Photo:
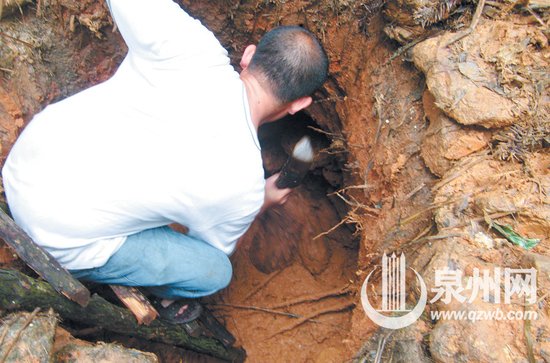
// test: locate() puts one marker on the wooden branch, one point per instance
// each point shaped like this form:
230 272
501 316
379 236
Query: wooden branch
18 291
471 28
138 304
44 264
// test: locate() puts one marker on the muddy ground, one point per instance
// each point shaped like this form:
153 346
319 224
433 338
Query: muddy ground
428 144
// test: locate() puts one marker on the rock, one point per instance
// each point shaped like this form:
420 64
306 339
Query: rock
542 264
35 339
475 339
453 253
484 241
102 352
68 349
446 141
409 344
403 345
477 80
403 34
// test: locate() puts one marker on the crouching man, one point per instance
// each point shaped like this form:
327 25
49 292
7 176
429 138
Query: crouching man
171 137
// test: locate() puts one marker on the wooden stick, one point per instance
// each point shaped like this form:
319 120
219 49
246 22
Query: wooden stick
414 191
17 40
18 291
534 15
471 28
408 46
138 304
42 262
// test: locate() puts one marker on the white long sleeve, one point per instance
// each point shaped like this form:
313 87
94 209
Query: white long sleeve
160 29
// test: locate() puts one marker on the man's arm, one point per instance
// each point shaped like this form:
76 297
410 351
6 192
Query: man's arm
160 29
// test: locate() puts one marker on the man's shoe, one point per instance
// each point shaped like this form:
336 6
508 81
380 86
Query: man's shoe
180 311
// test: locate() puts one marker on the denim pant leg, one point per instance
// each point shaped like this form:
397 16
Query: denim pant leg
169 264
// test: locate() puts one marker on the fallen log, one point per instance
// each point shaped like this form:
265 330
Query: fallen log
47 267
44 264
18 291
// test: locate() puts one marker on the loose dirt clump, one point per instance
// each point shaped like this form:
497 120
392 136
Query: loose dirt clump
446 141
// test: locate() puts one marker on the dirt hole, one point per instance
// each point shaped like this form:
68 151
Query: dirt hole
283 265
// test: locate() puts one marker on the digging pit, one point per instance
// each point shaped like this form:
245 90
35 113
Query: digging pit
421 149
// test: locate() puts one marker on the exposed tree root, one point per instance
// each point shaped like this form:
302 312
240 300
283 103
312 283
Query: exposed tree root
313 315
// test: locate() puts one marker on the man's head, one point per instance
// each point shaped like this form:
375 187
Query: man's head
291 61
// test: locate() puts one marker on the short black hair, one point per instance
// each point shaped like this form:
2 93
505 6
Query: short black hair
292 61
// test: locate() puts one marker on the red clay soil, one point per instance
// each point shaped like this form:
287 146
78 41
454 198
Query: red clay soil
389 150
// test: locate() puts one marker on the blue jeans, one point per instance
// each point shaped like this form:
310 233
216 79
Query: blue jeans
169 264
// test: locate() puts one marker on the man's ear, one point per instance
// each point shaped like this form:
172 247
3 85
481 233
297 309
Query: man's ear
299 104
247 56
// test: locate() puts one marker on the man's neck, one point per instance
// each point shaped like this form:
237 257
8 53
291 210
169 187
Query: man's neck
262 104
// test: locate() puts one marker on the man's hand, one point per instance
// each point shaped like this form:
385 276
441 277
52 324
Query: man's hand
273 195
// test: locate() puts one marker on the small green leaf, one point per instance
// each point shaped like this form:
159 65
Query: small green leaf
515 238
